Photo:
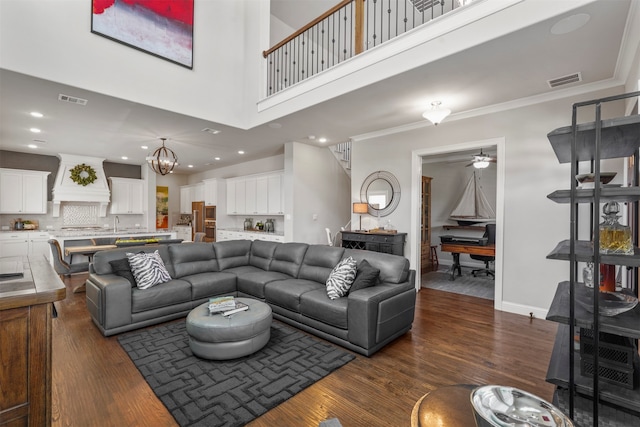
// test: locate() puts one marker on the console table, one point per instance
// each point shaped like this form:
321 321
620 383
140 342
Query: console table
389 243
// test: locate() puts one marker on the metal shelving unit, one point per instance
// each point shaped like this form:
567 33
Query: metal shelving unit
593 142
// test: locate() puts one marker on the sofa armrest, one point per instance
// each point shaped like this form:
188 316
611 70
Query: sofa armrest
109 300
379 312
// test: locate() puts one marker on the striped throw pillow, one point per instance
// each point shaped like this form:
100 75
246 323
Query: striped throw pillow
148 269
341 278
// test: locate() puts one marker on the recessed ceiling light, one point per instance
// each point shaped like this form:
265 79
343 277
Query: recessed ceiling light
36 114
124 158
32 146
35 130
322 140
570 23
216 158
211 131
240 152
189 166
144 147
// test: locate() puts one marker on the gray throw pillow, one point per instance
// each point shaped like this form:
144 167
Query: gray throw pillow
366 276
341 278
121 268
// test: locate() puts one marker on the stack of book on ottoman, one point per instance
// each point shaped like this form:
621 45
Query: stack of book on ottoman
226 306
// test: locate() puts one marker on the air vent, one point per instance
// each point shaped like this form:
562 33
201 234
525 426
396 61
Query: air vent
212 131
422 5
72 99
565 80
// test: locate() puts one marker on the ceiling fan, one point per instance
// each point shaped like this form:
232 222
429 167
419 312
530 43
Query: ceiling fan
481 161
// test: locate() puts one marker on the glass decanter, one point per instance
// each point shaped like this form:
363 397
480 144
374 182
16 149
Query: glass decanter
615 238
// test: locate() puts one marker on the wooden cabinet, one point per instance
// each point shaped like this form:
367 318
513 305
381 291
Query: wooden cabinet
425 226
256 195
210 192
127 196
23 191
389 243
25 340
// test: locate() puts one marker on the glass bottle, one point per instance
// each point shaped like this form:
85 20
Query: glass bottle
615 238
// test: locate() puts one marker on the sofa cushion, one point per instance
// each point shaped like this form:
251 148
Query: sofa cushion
232 253
317 305
148 269
122 268
163 295
204 285
101 258
393 268
287 293
341 278
366 276
319 261
253 283
262 254
288 258
245 269
193 258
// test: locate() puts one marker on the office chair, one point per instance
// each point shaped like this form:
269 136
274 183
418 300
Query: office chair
198 237
490 234
62 267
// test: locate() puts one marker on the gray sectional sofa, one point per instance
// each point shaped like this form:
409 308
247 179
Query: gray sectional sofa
290 277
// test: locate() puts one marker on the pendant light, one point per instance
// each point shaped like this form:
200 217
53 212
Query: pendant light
436 114
163 160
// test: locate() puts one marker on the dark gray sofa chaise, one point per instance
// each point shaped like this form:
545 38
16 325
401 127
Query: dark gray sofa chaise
290 277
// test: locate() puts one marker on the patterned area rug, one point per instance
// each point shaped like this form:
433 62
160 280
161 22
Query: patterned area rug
481 286
201 392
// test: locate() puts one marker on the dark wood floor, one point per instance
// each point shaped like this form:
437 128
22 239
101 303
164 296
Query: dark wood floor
455 339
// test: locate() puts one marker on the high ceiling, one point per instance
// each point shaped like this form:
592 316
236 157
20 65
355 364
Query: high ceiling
502 70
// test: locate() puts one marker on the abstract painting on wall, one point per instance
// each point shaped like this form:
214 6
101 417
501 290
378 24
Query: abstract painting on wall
162 207
163 28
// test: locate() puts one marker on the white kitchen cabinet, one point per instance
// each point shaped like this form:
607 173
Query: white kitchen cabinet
197 194
183 232
256 195
14 244
185 199
23 191
39 244
210 192
127 196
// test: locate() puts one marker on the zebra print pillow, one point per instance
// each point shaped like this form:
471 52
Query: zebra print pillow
148 269
341 278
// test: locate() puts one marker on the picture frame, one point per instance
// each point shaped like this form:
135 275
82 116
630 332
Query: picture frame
162 28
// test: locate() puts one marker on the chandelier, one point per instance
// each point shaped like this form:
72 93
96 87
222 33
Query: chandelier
163 160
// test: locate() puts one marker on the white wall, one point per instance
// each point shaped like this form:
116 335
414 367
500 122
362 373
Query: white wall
226 56
318 188
533 225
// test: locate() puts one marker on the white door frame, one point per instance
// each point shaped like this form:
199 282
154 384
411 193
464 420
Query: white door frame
416 185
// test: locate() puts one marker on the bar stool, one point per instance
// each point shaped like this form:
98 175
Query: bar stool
434 257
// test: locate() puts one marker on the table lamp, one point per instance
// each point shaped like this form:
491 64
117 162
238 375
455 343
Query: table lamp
360 208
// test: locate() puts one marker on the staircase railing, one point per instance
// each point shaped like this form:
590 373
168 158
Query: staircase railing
347 29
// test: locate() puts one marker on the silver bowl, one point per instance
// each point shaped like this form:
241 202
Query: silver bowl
500 406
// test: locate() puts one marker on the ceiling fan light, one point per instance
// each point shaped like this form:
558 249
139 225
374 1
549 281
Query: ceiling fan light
481 164
436 114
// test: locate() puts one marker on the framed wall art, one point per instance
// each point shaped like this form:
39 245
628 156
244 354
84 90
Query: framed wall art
163 28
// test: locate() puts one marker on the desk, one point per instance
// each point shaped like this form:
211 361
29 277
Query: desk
86 250
456 249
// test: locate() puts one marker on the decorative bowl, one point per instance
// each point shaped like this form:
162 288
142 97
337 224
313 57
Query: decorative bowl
610 303
605 177
496 405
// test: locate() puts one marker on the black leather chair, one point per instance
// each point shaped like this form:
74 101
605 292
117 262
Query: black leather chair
490 234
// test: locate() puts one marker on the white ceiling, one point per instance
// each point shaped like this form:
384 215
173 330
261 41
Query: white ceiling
505 69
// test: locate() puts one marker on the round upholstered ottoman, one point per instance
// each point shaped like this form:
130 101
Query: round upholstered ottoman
218 337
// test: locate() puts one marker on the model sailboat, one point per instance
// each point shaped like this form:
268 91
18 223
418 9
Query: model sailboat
473 206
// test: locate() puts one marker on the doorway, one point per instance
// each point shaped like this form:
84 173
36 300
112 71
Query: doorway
496 145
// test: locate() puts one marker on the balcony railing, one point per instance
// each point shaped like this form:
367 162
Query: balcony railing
347 29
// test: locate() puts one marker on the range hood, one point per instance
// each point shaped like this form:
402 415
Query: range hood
66 190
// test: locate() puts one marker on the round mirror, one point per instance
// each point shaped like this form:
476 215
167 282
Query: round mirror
381 191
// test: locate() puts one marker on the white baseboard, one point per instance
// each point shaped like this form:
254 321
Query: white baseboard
525 310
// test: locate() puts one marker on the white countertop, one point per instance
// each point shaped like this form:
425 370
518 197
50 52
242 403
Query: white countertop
106 233
242 230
